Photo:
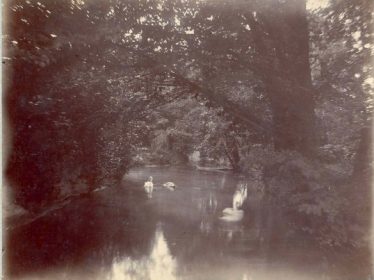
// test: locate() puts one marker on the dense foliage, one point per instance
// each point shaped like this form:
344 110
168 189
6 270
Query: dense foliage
282 95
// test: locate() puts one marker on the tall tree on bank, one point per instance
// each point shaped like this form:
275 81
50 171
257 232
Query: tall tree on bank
342 53
209 47
282 38
203 44
108 53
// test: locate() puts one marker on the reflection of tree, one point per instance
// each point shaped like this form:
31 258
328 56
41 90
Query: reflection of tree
158 265
208 212
92 231
162 263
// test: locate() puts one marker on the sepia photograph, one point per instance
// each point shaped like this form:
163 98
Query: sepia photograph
187 139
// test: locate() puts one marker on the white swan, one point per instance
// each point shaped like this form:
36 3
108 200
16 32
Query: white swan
240 196
237 200
245 192
232 215
235 214
148 186
170 185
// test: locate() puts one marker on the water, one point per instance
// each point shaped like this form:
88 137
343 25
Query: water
120 233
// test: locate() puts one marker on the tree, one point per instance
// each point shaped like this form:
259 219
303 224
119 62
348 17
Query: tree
88 76
75 111
279 56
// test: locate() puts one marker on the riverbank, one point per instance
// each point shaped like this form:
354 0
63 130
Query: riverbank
15 216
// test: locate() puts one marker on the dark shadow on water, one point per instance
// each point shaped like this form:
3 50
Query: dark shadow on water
92 231
120 232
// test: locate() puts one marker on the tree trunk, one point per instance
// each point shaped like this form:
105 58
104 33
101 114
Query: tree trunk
287 74
293 119
232 153
364 156
291 94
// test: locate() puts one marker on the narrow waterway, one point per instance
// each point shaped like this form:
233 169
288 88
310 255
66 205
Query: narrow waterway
121 233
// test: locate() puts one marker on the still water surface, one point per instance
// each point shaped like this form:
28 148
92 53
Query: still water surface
120 233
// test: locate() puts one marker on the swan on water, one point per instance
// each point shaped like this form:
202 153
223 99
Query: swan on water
234 213
245 192
170 185
148 186
240 196
237 200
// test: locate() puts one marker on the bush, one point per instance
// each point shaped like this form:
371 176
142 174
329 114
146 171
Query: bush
310 194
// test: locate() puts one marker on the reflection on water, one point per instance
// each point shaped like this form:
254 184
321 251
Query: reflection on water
120 233
158 265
